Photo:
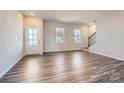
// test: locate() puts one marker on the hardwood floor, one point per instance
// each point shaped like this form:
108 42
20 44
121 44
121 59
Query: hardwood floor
66 67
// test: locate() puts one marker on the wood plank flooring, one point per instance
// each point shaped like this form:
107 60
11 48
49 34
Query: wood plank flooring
66 67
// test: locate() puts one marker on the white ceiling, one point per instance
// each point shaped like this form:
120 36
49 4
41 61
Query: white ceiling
69 16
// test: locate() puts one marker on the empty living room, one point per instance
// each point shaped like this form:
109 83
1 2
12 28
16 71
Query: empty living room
61 46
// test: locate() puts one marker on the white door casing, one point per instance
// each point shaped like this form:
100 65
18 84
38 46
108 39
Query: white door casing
32 40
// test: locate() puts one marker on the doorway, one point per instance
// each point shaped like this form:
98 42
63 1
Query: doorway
32 40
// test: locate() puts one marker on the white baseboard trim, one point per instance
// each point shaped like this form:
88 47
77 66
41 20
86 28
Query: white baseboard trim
85 50
25 54
106 55
10 66
62 50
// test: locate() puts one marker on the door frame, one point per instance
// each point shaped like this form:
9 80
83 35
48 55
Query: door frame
26 42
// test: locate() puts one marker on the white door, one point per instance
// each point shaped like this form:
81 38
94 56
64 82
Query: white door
32 40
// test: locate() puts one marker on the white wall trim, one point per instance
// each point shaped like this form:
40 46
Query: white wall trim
62 50
106 55
10 66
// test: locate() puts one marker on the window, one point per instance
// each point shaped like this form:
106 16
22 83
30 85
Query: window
59 35
77 36
32 37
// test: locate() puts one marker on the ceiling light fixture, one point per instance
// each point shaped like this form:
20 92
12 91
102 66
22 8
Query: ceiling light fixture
32 14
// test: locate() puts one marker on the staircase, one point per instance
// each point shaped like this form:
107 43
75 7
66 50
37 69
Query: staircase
92 39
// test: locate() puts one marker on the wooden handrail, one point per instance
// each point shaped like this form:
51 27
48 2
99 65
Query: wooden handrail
89 40
92 35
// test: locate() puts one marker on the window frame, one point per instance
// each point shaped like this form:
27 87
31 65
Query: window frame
32 34
78 37
61 31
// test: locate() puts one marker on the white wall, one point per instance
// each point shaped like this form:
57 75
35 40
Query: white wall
110 36
34 22
11 39
50 37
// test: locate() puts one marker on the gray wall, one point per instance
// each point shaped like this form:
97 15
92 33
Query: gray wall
11 39
50 37
110 36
